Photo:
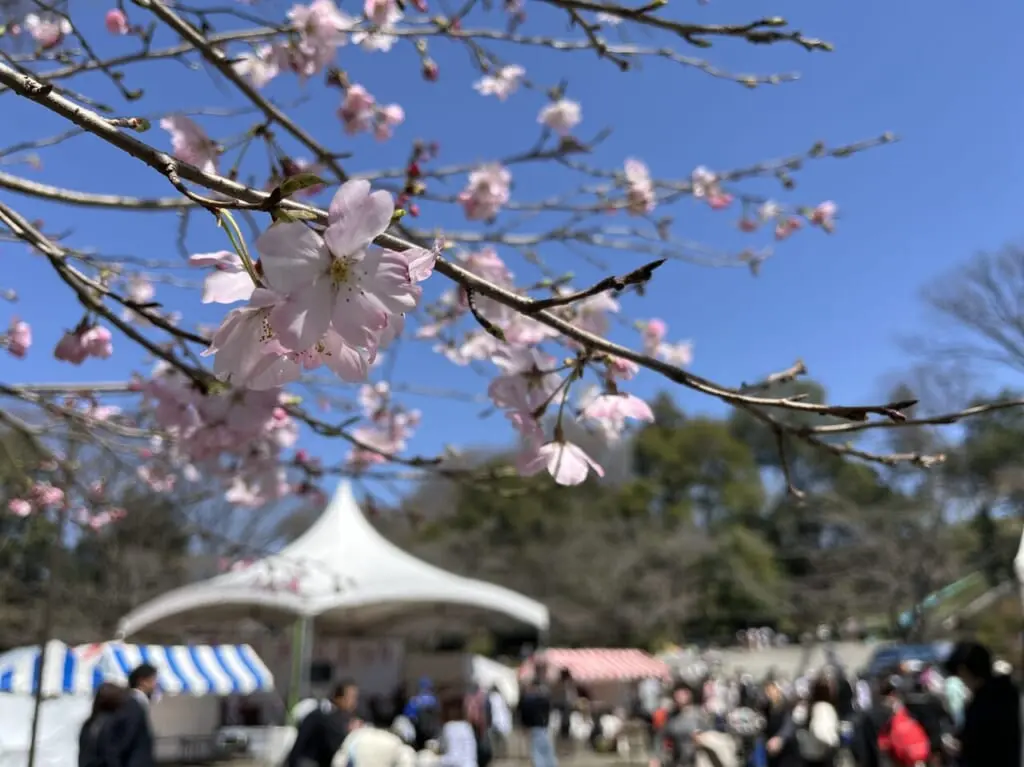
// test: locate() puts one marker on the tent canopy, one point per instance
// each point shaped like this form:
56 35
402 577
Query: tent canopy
599 664
181 670
343 573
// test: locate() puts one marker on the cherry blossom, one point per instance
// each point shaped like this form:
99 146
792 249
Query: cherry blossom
486 192
567 463
19 507
139 290
611 410
76 346
41 496
332 281
529 382
18 339
502 83
322 30
47 29
260 66
561 116
653 334
229 283
245 347
382 15
190 143
824 215
359 112
116 22
706 186
201 433
639 188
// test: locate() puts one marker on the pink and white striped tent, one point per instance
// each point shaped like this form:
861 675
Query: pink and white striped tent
590 665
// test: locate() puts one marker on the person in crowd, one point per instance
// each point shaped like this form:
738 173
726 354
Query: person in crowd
477 707
872 717
956 694
675 743
501 721
459 745
564 696
902 739
991 731
324 729
374 746
131 731
817 731
779 734
927 709
535 716
424 711
95 740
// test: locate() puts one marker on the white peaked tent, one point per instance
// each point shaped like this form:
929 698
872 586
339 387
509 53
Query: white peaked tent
342 573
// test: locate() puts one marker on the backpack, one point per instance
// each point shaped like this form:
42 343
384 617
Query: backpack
478 710
811 747
908 743
428 723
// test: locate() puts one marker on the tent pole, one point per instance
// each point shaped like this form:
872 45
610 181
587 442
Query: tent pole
302 657
46 627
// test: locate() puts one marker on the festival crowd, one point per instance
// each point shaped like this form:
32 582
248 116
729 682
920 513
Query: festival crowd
966 713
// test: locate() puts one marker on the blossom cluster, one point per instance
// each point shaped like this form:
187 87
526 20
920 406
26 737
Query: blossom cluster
316 300
239 434
44 497
310 297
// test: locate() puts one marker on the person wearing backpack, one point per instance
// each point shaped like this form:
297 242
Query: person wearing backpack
817 734
902 740
424 711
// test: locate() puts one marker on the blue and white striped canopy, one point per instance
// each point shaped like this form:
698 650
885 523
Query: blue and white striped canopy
181 670
192 669
64 673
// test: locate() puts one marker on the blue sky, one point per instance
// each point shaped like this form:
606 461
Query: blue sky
946 81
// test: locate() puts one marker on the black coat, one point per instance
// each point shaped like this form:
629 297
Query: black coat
779 723
319 737
131 736
95 742
991 735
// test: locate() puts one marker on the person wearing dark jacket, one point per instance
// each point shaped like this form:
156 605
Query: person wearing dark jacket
131 734
324 729
535 715
96 738
779 733
991 733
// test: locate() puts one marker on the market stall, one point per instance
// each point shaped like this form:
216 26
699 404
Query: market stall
186 714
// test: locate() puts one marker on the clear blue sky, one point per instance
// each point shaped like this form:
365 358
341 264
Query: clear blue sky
942 76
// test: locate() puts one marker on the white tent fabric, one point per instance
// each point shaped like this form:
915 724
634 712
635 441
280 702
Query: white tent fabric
60 719
342 568
1018 567
489 673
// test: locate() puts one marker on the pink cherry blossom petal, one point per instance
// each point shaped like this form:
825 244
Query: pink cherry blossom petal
293 256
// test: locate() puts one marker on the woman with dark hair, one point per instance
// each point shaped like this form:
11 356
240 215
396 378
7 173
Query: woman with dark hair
458 741
818 738
94 740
